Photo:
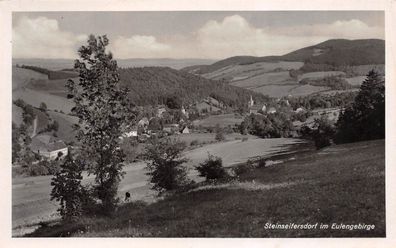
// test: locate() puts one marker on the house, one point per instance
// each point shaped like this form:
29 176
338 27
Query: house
184 112
271 110
171 128
185 130
133 132
300 110
48 146
144 122
160 110
205 107
256 109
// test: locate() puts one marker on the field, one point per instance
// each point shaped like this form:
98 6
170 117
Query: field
34 98
30 195
343 184
17 115
233 72
271 78
223 120
362 70
321 74
356 81
65 131
21 77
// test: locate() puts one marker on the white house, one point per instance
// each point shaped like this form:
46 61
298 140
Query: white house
48 146
255 109
271 110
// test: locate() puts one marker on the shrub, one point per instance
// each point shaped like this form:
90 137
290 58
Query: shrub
194 143
262 162
243 168
324 132
68 190
38 169
219 134
165 167
212 168
43 107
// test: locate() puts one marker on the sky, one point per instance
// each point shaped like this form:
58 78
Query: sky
186 34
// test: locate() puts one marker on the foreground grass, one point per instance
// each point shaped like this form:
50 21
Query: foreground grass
340 184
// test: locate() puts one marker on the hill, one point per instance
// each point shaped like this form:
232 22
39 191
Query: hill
332 52
341 52
278 76
152 85
342 184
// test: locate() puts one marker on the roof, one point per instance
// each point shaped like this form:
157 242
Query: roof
47 143
257 107
271 109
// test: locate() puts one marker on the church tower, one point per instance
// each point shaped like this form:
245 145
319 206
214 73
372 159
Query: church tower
251 102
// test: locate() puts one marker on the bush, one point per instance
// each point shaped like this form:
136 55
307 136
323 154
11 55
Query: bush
68 190
243 168
165 167
38 169
194 143
212 168
262 162
324 133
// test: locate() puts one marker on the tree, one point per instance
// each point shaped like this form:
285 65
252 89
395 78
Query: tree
365 118
43 107
103 110
219 134
165 164
323 132
68 190
212 168
174 102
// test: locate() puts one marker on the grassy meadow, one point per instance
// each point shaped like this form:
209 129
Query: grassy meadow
342 184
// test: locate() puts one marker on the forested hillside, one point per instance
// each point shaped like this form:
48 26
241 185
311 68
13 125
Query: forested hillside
153 85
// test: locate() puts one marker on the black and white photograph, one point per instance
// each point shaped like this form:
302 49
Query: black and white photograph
198 124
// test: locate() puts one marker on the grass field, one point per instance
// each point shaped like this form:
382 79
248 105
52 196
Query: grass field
321 74
17 115
234 72
65 130
362 70
34 98
265 79
22 77
30 195
343 184
356 81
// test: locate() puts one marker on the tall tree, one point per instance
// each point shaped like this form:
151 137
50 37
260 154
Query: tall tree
103 110
365 118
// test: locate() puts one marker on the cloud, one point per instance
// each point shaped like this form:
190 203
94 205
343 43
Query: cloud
138 46
342 29
234 35
42 38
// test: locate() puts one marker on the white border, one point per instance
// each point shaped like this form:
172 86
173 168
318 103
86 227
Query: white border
6 8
